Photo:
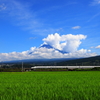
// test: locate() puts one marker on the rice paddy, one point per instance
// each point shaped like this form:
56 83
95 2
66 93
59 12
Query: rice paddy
69 85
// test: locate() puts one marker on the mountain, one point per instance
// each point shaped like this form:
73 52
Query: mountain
42 60
39 61
50 47
90 61
46 46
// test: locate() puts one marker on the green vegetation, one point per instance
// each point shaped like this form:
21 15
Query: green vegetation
91 61
48 69
69 85
10 70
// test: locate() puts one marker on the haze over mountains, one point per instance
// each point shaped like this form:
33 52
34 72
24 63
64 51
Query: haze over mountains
90 61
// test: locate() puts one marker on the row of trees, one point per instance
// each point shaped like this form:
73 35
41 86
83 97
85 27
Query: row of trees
10 69
14 67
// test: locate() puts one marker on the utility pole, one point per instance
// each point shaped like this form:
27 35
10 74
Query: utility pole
22 66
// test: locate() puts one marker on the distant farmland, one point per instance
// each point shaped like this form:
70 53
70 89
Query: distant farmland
69 85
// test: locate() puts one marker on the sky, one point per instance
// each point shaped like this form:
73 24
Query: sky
68 25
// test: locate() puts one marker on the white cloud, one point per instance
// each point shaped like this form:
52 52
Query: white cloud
95 2
40 53
92 47
2 7
27 19
31 38
97 47
24 16
76 27
93 17
53 40
69 43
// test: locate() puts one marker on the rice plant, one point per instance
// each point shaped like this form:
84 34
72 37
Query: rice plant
69 85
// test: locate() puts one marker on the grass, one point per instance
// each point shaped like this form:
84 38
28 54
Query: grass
69 85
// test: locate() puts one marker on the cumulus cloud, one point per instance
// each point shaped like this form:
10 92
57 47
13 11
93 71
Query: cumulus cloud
68 43
44 53
76 27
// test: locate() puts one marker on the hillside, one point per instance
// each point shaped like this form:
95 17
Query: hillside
91 61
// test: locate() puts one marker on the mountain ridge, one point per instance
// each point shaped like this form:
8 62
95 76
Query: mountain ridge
51 47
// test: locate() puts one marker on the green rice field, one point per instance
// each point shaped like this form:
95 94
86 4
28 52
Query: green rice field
65 85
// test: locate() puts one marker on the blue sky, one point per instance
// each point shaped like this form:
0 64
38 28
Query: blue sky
24 24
